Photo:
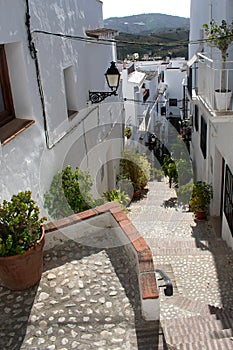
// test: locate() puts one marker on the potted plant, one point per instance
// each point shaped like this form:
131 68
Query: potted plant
21 242
128 132
201 198
221 36
136 167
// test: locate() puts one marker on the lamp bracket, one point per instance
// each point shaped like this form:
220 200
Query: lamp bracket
98 96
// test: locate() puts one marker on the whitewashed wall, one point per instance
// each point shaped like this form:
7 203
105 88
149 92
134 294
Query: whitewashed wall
173 78
220 129
210 9
26 161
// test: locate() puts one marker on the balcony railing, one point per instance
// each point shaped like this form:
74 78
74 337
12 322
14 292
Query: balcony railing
212 77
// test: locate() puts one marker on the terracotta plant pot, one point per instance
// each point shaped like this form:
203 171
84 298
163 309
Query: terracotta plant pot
200 215
137 194
19 272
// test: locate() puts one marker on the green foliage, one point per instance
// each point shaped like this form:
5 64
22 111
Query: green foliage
156 44
184 193
128 131
136 167
201 196
125 185
157 174
181 159
69 193
169 169
184 170
219 35
116 195
179 149
20 225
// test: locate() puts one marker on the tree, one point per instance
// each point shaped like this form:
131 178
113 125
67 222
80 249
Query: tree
221 36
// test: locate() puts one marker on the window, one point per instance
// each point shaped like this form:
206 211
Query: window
228 200
71 98
196 118
203 136
10 126
6 103
163 110
173 102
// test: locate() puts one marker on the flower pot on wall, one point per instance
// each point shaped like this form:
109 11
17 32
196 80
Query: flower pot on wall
21 271
223 99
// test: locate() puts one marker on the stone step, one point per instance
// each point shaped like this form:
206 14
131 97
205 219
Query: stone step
186 251
224 315
194 306
223 319
200 245
224 333
192 242
210 344
193 328
197 335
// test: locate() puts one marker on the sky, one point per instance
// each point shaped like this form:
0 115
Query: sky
121 8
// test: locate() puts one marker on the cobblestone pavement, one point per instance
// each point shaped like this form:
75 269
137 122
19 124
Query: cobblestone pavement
88 298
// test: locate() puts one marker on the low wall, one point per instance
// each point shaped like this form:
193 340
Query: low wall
132 243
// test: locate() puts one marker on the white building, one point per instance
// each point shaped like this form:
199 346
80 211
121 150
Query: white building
212 141
55 51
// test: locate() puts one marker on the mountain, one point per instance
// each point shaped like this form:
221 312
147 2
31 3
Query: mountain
147 23
174 42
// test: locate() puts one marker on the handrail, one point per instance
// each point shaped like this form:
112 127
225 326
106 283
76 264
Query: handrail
168 291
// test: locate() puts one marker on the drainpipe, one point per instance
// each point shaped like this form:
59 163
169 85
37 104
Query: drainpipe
34 56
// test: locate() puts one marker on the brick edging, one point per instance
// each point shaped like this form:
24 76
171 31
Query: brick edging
146 273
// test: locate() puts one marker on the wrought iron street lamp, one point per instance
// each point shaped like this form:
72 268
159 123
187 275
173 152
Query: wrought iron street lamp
112 76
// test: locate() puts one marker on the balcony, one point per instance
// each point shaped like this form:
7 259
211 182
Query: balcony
211 77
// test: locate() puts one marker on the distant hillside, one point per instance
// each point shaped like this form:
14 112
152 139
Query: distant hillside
147 23
173 42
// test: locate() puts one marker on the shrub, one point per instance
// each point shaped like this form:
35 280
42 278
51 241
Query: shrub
169 168
128 132
157 174
20 225
69 193
116 195
136 167
184 193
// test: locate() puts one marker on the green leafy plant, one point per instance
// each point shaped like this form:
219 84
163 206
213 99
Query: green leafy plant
201 196
221 36
128 132
184 170
136 167
184 193
116 195
125 185
20 225
69 193
157 174
169 169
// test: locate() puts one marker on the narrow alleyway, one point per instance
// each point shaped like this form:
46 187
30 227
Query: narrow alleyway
88 298
199 316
